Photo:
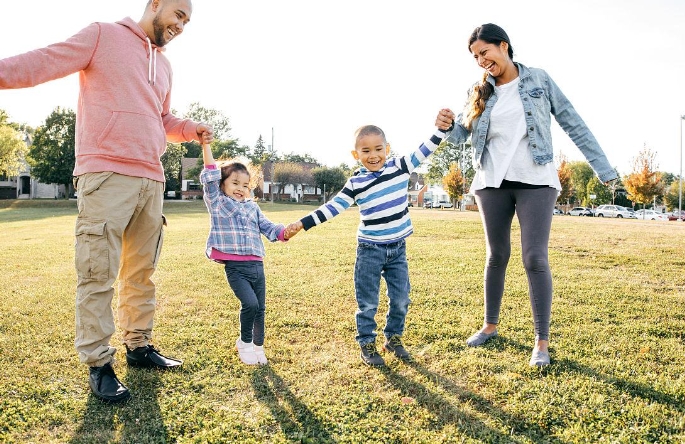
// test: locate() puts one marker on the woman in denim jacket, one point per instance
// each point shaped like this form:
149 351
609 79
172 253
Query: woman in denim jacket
508 117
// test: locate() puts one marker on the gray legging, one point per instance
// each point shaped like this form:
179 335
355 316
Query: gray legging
534 208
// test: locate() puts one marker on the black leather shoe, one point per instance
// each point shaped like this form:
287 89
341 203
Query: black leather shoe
105 385
148 356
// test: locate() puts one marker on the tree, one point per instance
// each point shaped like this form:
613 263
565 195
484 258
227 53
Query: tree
300 158
565 178
12 150
330 179
672 196
601 192
447 154
171 162
52 155
218 121
644 183
223 145
581 173
228 149
287 173
305 178
259 153
453 182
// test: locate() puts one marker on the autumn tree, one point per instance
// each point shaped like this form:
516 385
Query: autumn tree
453 183
446 155
565 178
644 183
52 155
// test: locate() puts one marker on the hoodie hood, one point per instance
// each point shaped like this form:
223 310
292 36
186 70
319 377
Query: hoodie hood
151 47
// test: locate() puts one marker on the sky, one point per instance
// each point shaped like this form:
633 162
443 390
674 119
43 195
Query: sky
306 74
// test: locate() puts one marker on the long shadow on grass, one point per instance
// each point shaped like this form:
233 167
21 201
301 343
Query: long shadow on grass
296 420
447 413
633 389
137 420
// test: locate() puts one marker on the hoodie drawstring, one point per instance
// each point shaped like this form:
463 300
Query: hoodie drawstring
152 63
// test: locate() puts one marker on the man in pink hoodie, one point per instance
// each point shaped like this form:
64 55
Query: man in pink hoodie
123 122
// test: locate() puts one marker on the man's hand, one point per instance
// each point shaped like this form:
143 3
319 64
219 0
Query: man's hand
205 133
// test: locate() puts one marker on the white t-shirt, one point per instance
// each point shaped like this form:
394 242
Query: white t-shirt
506 154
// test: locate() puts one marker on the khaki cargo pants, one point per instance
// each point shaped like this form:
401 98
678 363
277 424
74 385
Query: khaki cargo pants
119 233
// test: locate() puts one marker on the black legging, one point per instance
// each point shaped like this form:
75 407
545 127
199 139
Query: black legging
534 208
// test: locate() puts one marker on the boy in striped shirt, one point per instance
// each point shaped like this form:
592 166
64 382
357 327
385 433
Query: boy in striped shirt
379 188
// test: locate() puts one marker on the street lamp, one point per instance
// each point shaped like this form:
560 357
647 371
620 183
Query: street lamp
680 184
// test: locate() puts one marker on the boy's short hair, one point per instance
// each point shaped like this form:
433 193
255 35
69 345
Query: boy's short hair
368 130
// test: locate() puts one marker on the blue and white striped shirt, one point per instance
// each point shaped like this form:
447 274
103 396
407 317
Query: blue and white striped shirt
381 197
235 227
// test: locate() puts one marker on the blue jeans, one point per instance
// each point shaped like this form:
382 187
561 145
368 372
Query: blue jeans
373 262
249 285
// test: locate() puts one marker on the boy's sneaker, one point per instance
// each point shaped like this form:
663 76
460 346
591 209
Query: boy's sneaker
261 357
246 352
370 355
394 345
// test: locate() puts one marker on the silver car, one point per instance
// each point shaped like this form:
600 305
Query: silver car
580 211
614 211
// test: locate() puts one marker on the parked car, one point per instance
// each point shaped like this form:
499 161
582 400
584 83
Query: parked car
674 215
580 211
557 212
443 204
650 215
614 211
428 204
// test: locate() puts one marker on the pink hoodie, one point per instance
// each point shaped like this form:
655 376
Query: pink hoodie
123 118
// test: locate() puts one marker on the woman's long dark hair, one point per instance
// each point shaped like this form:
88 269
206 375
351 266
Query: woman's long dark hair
489 33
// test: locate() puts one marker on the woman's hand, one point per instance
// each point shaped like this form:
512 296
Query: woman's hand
445 119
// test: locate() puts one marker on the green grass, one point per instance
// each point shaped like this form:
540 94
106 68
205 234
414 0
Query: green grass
617 340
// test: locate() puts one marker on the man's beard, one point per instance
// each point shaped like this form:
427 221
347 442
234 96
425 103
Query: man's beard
159 31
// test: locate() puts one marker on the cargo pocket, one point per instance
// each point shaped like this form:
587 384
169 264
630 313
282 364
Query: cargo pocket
92 252
160 241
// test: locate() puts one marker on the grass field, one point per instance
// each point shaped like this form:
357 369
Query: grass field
617 340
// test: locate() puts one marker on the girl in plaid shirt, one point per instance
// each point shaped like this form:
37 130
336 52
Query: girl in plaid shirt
236 226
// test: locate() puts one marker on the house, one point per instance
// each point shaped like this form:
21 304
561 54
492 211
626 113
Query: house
192 190
267 189
417 189
189 188
437 193
25 186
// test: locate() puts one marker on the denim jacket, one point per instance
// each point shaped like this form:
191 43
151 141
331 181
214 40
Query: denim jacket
540 97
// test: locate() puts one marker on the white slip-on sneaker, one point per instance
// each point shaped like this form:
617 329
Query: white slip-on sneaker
246 352
261 357
479 338
539 358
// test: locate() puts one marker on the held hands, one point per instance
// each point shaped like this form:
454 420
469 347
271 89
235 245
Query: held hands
445 119
292 229
205 133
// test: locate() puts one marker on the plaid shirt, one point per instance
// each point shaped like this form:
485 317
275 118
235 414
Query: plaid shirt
235 227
